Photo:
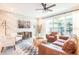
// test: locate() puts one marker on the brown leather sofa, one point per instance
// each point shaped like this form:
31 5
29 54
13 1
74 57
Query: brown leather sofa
44 50
68 48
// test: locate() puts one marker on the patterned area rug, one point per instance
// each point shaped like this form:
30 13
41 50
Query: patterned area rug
24 47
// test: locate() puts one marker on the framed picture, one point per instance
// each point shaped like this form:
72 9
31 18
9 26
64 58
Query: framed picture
23 24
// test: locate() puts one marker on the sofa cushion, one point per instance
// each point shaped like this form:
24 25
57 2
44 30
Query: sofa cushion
59 42
69 47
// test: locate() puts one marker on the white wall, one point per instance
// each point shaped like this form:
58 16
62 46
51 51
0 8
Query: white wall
11 24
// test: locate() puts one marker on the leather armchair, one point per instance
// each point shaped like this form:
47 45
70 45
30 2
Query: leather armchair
51 37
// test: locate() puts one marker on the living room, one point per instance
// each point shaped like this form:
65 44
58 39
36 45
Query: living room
39 28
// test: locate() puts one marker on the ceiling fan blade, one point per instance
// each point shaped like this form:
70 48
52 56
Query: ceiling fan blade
44 5
51 6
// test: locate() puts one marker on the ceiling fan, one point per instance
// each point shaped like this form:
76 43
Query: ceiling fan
45 7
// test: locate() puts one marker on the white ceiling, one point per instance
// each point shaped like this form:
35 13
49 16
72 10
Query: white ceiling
29 9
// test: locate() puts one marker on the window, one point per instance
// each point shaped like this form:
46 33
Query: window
62 24
69 26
